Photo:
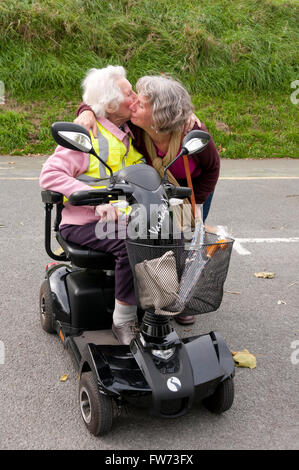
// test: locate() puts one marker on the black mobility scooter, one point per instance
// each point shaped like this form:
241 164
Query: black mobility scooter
157 370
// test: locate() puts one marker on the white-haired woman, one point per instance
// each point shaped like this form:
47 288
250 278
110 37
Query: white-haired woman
110 96
159 115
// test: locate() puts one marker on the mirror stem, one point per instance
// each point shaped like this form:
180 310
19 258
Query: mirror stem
183 151
112 177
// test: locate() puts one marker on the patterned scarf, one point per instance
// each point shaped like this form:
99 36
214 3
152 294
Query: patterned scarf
160 163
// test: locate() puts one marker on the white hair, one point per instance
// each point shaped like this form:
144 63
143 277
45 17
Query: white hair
100 90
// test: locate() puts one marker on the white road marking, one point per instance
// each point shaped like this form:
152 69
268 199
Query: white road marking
245 178
243 251
23 178
228 178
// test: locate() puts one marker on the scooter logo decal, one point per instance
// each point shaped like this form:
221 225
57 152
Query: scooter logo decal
174 384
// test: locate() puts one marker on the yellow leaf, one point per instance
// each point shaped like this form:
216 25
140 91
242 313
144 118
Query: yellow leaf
64 378
265 275
244 359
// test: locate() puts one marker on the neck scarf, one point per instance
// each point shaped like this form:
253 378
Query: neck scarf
160 164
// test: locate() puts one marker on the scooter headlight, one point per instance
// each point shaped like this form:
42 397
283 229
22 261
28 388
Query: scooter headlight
163 353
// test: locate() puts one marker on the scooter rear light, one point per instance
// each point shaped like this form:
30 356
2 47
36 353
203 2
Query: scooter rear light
163 353
50 265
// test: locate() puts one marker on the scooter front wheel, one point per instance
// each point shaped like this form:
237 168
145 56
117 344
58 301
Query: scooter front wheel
223 397
96 408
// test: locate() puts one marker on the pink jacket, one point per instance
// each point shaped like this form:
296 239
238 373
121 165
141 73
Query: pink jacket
59 174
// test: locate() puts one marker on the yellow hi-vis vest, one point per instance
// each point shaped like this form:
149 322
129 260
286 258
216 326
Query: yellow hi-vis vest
114 153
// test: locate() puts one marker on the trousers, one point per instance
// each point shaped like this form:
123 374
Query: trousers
86 235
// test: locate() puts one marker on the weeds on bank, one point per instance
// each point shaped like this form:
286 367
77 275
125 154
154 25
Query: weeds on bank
237 58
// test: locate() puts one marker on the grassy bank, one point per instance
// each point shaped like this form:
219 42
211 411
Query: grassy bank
237 59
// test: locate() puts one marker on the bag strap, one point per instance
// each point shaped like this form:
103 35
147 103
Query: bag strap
189 181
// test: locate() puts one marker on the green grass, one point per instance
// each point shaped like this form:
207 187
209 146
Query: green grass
237 58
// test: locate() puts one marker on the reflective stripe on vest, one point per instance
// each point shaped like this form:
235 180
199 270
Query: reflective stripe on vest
113 152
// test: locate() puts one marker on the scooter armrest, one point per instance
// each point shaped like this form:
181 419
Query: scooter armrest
51 197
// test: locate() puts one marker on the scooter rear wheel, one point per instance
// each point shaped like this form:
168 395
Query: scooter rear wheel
45 307
96 408
223 397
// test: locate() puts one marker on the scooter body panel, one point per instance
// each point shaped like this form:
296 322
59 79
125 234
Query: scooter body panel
167 388
211 356
81 299
56 276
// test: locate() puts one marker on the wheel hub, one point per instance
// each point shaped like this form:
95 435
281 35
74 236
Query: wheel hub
85 405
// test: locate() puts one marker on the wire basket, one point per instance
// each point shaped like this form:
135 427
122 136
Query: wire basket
171 279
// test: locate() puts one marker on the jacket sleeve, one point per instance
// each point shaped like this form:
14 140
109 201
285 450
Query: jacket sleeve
59 172
83 107
209 163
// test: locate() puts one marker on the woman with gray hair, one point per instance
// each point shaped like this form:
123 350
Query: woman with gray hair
159 116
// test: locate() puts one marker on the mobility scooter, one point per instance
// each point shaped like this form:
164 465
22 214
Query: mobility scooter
158 370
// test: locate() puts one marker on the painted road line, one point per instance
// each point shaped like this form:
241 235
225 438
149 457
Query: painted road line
243 251
22 178
248 178
223 178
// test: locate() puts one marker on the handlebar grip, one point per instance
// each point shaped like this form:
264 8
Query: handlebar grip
179 192
95 197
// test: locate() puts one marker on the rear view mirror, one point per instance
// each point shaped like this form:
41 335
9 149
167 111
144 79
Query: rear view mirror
195 141
75 137
72 136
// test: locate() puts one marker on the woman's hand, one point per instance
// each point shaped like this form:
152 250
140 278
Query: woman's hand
190 123
107 212
87 119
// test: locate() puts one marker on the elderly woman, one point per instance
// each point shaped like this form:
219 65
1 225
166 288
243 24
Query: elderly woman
110 95
160 111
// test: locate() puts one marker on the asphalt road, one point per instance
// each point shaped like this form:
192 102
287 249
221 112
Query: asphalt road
259 203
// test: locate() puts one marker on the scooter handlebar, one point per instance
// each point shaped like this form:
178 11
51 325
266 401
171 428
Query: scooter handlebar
95 197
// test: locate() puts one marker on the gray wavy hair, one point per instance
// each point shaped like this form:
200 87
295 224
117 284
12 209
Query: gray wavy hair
100 90
171 103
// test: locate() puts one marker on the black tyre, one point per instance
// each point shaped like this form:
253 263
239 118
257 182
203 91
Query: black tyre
223 397
45 307
96 408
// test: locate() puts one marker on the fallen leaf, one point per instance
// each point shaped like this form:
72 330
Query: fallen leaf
231 292
11 163
244 359
64 378
265 275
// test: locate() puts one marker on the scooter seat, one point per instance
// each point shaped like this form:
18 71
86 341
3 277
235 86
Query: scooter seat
84 257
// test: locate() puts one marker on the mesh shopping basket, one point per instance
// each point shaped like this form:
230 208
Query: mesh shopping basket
171 279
